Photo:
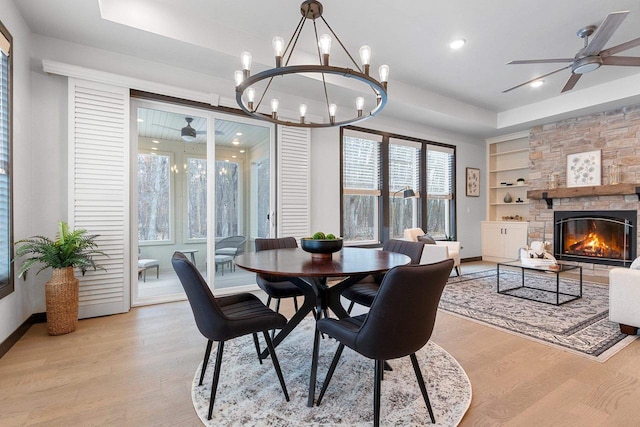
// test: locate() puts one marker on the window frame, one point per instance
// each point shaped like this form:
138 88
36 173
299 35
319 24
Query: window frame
172 209
8 287
384 219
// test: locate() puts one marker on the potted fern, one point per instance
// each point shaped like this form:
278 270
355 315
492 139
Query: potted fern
70 250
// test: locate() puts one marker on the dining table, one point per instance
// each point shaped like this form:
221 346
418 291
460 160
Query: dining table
311 274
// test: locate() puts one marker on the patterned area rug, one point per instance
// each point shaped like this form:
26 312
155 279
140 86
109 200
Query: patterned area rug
581 326
249 394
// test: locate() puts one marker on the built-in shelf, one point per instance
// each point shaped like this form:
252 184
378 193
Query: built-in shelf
510 204
521 150
510 169
509 187
591 191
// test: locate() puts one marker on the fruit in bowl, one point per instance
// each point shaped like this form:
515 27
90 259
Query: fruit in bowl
321 245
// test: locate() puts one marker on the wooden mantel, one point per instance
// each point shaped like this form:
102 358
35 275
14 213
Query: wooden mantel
592 191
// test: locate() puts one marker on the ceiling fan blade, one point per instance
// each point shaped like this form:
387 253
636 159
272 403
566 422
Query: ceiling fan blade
201 132
166 127
540 61
571 82
621 47
604 32
537 78
622 60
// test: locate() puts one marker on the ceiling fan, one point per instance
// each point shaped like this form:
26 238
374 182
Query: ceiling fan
187 133
592 55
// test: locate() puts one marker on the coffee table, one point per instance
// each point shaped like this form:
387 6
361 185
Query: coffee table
541 270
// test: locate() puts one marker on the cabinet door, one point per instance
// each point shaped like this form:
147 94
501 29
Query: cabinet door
515 237
493 240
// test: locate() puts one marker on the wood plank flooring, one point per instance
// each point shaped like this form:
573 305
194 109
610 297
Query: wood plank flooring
135 369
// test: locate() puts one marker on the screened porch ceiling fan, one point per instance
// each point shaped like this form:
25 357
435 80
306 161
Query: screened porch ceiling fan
187 133
592 56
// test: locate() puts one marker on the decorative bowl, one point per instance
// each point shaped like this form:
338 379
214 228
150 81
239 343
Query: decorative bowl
321 248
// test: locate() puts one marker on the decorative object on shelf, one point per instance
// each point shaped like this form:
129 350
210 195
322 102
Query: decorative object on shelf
312 10
520 181
615 174
513 218
583 169
71 249
519 200
508 198
553 181
473 182
321 246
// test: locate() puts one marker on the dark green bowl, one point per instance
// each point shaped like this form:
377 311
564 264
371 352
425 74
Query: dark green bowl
321 246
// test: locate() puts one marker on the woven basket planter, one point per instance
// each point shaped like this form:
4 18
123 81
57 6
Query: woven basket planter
62 301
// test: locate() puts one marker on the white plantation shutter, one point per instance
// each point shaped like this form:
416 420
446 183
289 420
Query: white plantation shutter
99 190
293 182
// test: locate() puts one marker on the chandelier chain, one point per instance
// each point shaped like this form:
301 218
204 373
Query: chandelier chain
324 82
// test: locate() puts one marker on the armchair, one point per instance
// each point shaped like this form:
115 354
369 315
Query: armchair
443 249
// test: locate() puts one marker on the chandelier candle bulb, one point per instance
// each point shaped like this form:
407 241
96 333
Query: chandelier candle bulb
274 108
332 112
303 112
365 58
359 105
251 97
384 75
325 48
245 59
238 76
278 49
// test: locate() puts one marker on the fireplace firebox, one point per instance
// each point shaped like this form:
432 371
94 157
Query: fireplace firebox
599 237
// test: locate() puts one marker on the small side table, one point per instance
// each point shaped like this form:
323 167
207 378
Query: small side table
191 252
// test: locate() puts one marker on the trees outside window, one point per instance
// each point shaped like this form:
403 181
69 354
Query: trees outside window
154 197
196 198
376 168
227 198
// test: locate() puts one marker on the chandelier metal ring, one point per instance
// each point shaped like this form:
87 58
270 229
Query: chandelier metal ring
381 93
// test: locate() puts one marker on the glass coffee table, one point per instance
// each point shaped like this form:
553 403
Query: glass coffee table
539 288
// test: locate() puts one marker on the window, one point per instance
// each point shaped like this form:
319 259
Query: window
196 198
6 223
360 188
227 197
377 168
263 173
154 197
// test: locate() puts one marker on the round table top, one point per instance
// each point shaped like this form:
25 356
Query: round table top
295 262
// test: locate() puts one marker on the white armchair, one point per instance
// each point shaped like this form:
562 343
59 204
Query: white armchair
624 297
442 250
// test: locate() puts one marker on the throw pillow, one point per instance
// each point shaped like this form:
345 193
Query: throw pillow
635 264
426 239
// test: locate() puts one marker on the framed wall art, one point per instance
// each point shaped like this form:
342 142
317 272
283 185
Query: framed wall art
473 182
584 169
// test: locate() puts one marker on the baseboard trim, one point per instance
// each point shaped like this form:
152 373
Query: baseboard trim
6 345
471 259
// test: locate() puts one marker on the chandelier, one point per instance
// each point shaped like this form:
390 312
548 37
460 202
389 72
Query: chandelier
245 82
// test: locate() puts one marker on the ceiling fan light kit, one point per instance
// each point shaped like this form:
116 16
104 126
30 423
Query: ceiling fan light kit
592 56
311 10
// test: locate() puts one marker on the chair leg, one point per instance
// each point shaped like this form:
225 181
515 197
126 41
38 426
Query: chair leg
351 307
458 271
332 368
295 303
377 385
268 301
423 388
255 341
276 364
216 377
273 331
157 271
205 362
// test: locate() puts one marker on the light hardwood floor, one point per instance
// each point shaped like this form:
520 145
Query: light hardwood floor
135 369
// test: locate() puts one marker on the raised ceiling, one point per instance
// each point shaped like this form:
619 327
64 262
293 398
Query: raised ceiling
429 83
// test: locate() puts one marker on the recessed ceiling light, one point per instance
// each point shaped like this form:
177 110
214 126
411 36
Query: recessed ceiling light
155 141
239 134
140 120
537 83
241 151
235 142
234 157
457 44
226 160
154 148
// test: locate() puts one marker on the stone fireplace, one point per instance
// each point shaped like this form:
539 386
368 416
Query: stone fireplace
617 134
600 237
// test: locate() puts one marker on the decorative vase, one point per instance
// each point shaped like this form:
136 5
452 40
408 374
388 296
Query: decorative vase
508 198
62 301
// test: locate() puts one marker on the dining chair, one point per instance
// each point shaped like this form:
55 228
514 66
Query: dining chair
277 287
366 289
399 323
225 318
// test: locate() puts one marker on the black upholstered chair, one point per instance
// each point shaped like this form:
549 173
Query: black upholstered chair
277 287
365 290
399 323
225 318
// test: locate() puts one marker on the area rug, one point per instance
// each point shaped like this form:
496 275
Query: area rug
249 394
581 326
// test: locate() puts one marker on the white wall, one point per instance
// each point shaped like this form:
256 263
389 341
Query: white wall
16 307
